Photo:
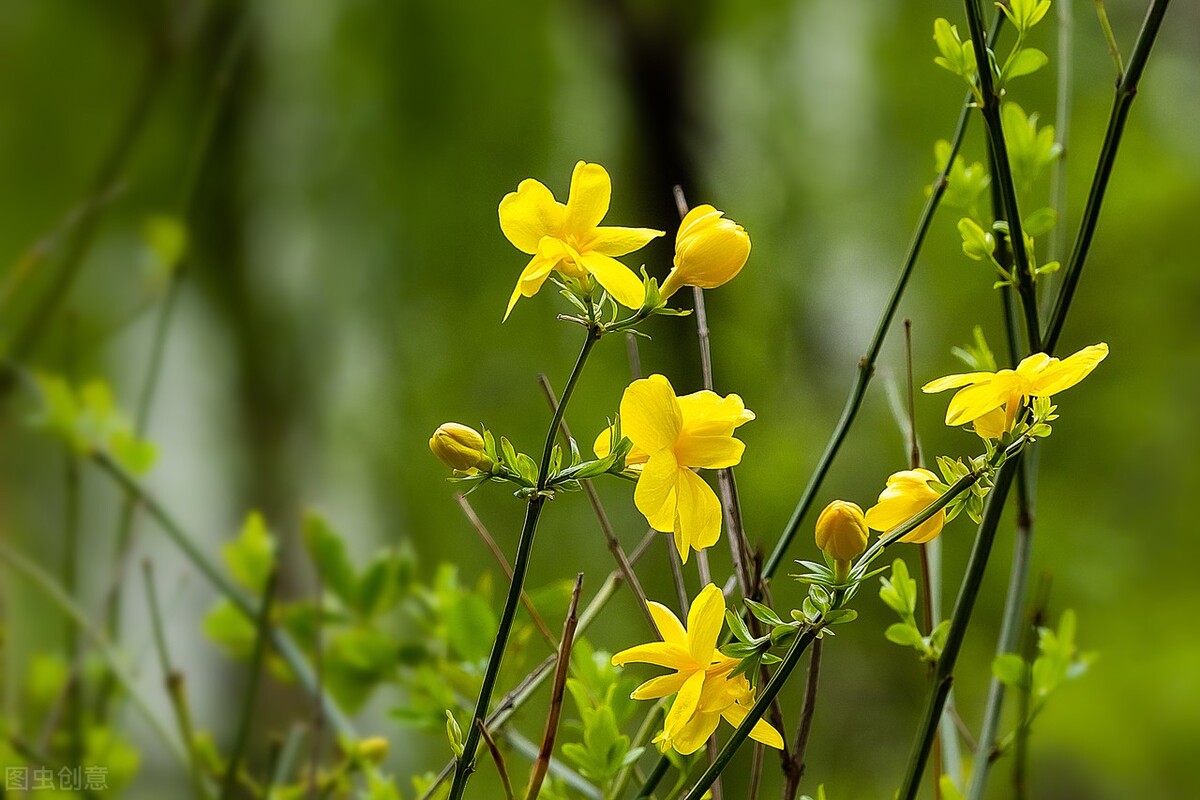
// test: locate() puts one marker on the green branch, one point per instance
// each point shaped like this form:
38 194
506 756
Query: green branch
466 762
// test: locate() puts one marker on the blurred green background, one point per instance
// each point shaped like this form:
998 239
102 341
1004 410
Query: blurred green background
346 279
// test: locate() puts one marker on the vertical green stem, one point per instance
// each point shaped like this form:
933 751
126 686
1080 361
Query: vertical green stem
1003 177
466 762
943 676
1126 91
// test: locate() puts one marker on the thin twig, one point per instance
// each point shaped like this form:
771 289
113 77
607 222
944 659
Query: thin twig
261 638
1064 93
542 764
803 731
610 535
498 758
1037 618
482 530
174 683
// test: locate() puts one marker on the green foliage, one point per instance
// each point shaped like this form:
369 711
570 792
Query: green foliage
977 356
86 419
899 593
251 557
1030 149
166 240
965 184
956 56
601 697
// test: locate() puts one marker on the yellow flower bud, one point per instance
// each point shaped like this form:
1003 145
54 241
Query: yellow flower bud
709 251
373 749
458 446
842 531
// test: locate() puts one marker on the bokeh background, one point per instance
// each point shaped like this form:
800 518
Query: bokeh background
346 278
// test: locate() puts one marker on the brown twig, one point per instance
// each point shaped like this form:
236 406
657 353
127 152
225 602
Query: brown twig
542 764
804 729
610 536
482 530
498 757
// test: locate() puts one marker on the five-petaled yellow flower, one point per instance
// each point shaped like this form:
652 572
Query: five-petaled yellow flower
705 694
567 238
670 436
908 493
991 400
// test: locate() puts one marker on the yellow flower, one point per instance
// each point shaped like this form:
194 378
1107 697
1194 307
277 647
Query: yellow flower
671 436
842 533
991 399
709 251
567 238
458 446
700 679
908 493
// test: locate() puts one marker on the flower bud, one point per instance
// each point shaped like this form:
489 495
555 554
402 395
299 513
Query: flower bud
373 749
458 446
842 531
709 251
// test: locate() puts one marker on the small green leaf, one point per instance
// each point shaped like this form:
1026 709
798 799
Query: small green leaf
251 557
906 635
328 553
977 244
1010 669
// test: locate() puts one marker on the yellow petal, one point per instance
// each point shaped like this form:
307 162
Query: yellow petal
708 414
662 654
1055 377
705 619
530 213
992 425
928 530
698 514
656 490
614 241
691 736
587 204
650 414
697 218
978 399
531 280
669 626
685 704
616 278
709 452
603 444
762 731
955 381
661 686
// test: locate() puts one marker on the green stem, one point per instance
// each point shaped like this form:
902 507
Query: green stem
943 676
173 681
866 365
1125 93
1002 175
229 784
466 762
55 594
763 702
654 778
282 642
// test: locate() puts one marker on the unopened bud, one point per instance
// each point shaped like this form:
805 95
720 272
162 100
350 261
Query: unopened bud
710 250
458 446
842 531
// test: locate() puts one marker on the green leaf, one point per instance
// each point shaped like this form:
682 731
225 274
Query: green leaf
1040 222
764 613
902 633
251 557
470 626
737 626
166 239
1025 62
977 244
226 625
1010 669
383 583
328 553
